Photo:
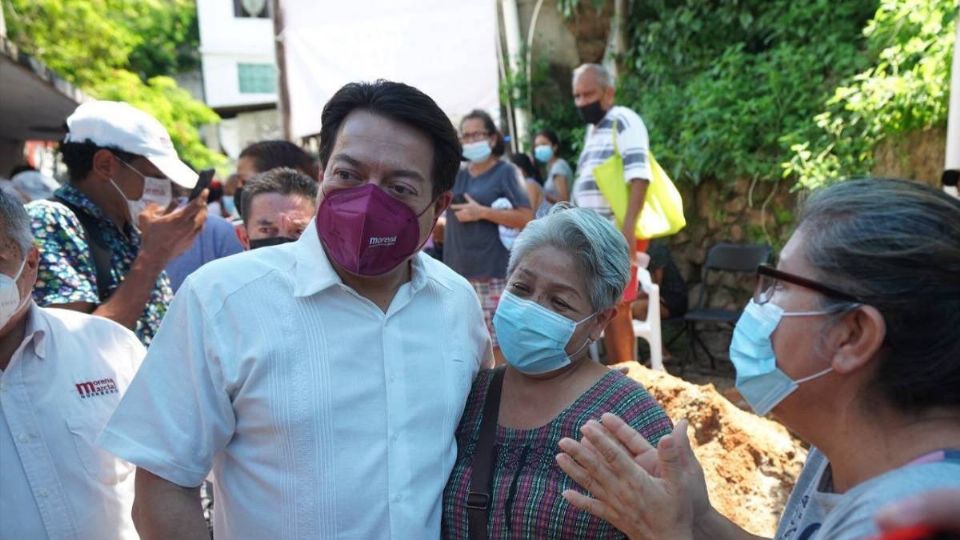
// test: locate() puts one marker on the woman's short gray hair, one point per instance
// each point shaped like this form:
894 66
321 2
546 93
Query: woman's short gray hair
15 223
598 247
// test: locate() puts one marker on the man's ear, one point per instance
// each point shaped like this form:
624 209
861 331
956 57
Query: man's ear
858 338
443 202
243 237
104 164
603 318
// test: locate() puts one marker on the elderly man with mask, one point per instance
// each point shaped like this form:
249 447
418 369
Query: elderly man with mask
320 380
61 376
593 94
109 233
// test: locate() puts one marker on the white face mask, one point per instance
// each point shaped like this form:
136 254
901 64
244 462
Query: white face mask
157 191
10 300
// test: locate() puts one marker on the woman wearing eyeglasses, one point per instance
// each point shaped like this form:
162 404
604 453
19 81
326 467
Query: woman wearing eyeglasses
852 342
471 236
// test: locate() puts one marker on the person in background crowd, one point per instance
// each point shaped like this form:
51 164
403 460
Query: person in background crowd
110 232
30 184
218 239
311 376
556 187
593 94
850 343
673 289
567 273
471 239
62 373
531 177
277 207
230 202
265 155
213 200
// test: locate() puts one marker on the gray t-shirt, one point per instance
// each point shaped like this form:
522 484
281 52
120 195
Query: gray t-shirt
815 512
473 249
559 168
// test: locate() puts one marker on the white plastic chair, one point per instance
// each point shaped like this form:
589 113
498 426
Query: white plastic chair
648 329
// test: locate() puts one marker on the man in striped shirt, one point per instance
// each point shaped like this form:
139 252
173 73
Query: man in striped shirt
593 94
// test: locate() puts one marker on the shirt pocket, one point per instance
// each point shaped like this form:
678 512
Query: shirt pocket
99 464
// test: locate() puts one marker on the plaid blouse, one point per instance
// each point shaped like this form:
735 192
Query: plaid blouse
67 273
526 500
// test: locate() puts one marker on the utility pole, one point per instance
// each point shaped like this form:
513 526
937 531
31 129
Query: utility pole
511 26
951 166
283 93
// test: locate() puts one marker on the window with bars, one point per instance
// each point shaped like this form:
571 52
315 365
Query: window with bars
257 78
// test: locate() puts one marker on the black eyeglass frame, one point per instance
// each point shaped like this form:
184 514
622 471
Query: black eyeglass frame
769 271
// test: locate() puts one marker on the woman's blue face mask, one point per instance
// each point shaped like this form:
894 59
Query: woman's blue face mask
533 338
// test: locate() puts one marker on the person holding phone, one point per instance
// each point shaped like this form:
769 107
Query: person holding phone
471 238
106 236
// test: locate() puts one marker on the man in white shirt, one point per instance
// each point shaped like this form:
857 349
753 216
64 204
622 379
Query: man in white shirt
61 376
321 380
594 96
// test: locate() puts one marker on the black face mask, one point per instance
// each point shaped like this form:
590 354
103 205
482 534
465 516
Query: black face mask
275 241
592 113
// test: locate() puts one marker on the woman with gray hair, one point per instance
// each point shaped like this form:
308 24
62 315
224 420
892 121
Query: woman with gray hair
566 273
852 343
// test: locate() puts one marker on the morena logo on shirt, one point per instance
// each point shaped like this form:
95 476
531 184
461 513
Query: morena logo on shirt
382 241
100 387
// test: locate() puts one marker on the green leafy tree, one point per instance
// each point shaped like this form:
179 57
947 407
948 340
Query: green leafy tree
122 50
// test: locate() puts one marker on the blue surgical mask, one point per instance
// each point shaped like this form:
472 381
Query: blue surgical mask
229 204
761 383
477 151
543 153
533 338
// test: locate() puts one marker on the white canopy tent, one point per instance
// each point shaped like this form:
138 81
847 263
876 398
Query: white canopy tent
446 48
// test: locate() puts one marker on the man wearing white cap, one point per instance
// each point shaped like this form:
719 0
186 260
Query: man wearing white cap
108 234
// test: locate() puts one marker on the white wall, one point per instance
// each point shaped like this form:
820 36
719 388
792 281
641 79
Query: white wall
226 41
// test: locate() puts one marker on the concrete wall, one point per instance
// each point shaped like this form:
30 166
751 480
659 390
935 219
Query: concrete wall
226 41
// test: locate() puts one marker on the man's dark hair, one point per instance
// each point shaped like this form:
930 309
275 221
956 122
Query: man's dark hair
78 157
499 148
401 103
268 155
283 180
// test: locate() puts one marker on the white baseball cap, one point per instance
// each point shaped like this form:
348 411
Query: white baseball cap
119 125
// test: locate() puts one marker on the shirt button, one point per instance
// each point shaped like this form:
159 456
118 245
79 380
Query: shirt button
23 437
395 498
43 493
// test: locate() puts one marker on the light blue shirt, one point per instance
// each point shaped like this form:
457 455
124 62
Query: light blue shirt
217 239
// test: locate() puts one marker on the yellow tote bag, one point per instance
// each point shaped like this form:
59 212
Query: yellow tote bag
662 213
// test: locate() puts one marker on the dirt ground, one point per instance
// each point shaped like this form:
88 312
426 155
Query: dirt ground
750 463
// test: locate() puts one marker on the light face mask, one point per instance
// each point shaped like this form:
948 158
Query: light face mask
157 191
477 151
543 153
761 383
533 338
10 295
229 204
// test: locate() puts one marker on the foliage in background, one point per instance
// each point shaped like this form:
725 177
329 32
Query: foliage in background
122 50
720 83
906 89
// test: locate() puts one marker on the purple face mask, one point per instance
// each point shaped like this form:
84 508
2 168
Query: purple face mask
366 231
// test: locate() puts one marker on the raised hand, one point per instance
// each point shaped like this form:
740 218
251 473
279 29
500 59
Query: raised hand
645 492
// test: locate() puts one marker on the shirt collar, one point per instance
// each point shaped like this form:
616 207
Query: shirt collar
314 273
36 330
77 198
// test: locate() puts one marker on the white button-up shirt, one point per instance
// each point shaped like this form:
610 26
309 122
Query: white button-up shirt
56 395
320 415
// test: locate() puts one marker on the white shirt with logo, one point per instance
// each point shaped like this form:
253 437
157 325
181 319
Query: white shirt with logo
320 415
56 395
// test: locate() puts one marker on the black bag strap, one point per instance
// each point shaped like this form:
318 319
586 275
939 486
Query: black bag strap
481 481
100 251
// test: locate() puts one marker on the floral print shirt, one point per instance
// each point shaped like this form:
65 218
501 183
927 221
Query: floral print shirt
67 273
